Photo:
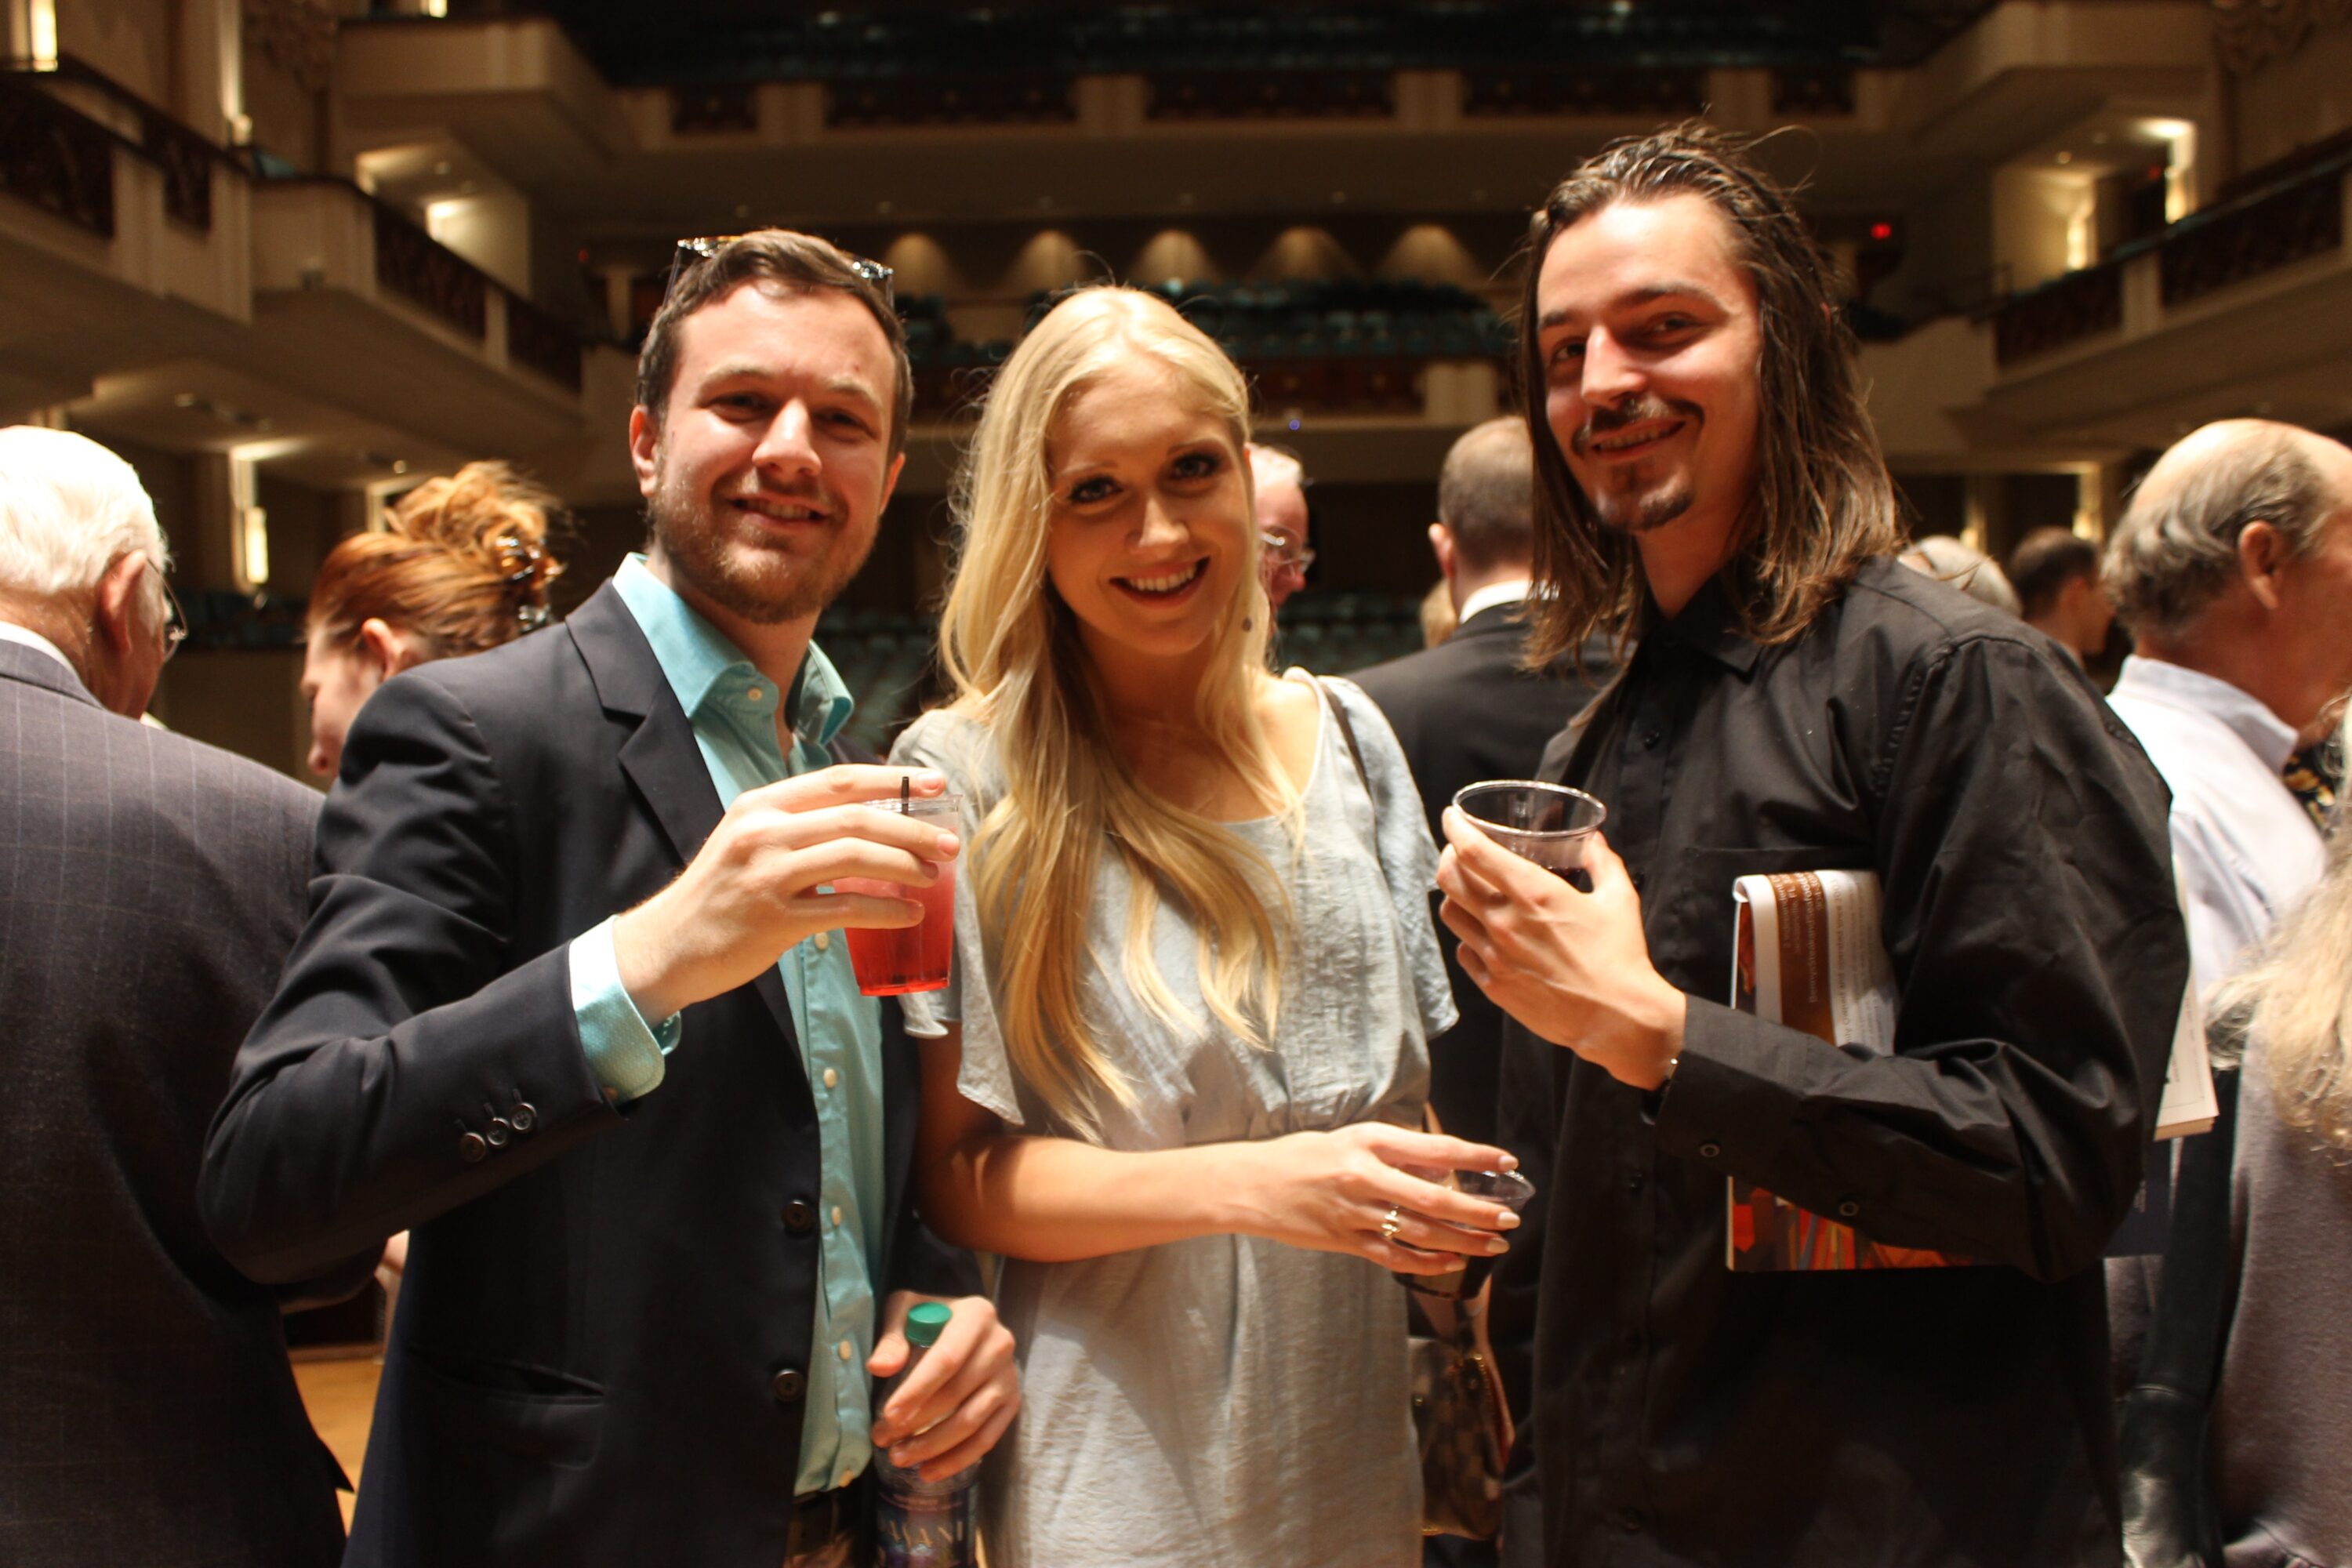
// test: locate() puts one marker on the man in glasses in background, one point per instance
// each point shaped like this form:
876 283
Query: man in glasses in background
574 1008
1282 521
150 888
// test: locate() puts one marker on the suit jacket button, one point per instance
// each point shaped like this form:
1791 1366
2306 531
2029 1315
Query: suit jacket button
523 1117
471 1148
790 1387
799 1217
499 1132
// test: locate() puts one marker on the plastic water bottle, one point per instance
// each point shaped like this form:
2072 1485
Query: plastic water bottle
921 1523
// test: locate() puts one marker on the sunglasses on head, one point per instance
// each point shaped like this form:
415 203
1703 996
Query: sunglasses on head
692 253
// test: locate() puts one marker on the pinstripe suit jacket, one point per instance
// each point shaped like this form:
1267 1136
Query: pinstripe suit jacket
150 889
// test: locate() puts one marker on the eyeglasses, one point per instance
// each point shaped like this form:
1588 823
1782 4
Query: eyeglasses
1284 549
175 619
692 253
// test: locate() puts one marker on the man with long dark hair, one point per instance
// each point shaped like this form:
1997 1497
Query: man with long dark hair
1709 489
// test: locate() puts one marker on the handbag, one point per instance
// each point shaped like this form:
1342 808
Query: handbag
1462 1423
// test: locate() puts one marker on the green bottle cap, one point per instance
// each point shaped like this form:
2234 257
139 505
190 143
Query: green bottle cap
925 1322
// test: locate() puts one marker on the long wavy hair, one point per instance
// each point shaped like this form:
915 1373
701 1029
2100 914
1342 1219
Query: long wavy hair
2297 999
1012 655
1823 502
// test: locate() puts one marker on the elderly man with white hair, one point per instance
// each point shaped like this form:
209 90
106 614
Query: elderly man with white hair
1279 482
2232 566
150 890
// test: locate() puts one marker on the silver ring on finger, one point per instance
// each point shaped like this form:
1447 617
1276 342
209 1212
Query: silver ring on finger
1391 1222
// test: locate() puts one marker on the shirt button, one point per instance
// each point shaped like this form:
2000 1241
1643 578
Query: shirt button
789 1386
471 1148
1848 1209
845 1351
847 1476
757 694
799 1217
823 941
1629 1522
836 1217
832 1078
1650 741
499 1132
523 1117
1710 1151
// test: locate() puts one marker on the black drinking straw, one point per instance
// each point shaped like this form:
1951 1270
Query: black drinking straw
906 788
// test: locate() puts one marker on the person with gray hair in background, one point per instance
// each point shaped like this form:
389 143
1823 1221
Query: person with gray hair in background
150 889
1965 567
2232 566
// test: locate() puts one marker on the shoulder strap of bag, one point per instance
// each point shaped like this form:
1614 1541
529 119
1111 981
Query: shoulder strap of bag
1348 732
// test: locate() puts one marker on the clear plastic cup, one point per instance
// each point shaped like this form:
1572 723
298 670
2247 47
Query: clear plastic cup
909 958
1547 823
1509 1188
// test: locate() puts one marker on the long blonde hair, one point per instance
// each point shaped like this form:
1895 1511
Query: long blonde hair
2298 1001
1011 652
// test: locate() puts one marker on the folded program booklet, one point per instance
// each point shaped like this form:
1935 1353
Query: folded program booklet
1807 953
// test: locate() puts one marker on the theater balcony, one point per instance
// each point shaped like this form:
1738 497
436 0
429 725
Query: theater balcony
355 302
145 271
2244 306
126 234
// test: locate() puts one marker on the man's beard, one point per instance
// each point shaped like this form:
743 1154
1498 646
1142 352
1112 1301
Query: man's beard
763 586
1640 510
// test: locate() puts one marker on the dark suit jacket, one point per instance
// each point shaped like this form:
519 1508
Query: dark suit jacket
150 888
604 1330
1464 710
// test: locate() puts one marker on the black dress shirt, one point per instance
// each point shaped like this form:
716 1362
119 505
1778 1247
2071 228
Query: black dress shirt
1688 1415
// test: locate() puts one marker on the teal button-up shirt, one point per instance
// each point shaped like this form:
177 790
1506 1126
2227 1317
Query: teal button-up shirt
734 708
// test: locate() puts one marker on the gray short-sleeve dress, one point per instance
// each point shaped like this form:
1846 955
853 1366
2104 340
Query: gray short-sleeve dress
1222 1400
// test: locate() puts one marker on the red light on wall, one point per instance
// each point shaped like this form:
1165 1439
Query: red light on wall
1882 231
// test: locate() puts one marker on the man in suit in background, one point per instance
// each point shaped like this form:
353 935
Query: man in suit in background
574 1009
1467 709
150 888
1464 710
2056 572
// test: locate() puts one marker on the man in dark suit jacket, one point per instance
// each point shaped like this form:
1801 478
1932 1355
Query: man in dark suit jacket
150 888
1467 710
651 1265
1464 710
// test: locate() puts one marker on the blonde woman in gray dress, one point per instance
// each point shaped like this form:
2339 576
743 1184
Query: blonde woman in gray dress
1177 1070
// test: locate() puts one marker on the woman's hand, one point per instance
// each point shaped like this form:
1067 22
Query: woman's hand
1332 1191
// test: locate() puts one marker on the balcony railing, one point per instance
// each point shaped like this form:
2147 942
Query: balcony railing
2061 311
2210 251
1663 93
57 158
537 340
1018 100
1272 95
418 268
2293 220
185 158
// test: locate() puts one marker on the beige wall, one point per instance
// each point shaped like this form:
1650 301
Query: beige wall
130 40
2297 99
